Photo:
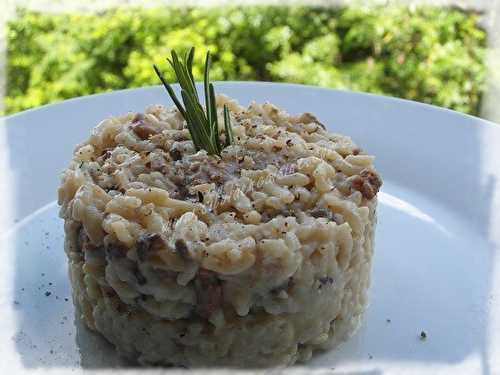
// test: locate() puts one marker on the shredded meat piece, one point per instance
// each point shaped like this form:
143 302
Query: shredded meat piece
144 131
84 242
158 164
307 118
322 212
181 248
179 137
121 307
138 117
194 167
217 177
147 244
208 293
110 292
180 190
115 250
368 183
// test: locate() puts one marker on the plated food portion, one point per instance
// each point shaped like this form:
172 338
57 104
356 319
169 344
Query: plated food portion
234 236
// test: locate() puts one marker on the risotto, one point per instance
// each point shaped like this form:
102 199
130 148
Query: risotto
256 257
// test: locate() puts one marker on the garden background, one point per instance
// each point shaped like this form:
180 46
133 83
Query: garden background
430 54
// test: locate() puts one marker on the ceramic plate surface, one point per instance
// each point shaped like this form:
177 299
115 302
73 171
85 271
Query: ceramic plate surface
436 265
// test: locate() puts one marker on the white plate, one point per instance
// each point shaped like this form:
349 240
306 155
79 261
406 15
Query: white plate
436 267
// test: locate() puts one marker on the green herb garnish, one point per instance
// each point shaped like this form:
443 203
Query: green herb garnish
203 126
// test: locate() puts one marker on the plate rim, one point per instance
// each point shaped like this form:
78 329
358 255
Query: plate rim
258 83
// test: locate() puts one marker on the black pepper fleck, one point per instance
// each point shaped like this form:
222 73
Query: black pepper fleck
47 294
326 280
175 154
423 335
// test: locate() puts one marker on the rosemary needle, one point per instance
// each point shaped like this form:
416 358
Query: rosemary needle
202 124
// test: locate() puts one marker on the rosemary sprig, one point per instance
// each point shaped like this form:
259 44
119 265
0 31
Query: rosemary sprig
202 125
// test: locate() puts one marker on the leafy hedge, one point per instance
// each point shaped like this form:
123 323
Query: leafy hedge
432 55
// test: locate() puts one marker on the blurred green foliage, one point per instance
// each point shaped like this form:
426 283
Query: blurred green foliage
433 55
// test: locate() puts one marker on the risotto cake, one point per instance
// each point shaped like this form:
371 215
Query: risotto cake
254 257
